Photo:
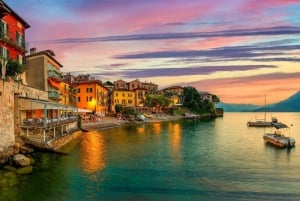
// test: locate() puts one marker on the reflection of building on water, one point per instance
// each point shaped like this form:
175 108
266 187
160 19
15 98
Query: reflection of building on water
92 149
157 128
175 141
140 130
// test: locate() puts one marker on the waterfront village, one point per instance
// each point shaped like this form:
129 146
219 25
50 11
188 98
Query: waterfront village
41 106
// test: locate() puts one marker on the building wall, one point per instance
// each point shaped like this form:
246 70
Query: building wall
134 84
14 26
9 120
120 84
140 97
65 93
95 100
124 97
35 73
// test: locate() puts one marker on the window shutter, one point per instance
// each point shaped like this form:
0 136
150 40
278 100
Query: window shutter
1 29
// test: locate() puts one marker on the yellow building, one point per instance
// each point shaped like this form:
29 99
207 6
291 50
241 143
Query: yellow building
67 94
124 97
140 97
91 95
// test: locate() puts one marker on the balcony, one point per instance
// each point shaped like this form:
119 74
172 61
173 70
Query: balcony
52 74
14 40
54 95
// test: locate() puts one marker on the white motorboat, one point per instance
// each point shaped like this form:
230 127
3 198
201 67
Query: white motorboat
277 138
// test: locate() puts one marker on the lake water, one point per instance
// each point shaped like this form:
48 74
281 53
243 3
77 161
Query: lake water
221 159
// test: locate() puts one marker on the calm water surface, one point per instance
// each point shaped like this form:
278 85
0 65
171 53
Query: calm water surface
221 159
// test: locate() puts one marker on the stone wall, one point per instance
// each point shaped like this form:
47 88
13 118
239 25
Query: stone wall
9 91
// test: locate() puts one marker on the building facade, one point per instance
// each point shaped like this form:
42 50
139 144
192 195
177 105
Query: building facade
125 97
43 73
91 95
12 40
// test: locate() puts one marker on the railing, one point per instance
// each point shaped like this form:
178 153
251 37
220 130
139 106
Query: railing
12 39
54 74
53 95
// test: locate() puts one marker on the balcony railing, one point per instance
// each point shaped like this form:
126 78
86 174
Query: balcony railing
14 40
55 75
54 95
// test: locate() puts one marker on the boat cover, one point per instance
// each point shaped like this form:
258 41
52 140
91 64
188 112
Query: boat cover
279 125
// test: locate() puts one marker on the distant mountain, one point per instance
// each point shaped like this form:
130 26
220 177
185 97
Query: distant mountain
228 107
291 104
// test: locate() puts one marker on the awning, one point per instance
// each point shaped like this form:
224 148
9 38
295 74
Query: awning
53 83
32 104
279 125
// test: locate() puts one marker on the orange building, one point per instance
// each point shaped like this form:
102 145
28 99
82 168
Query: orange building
91 95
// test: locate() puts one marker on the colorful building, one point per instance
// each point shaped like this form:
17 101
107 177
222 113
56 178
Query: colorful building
173 90
67 94
134 84
43 73
124 97
91 95
120 84
140 97
12 37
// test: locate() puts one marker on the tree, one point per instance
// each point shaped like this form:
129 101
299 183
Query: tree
118 108
193 101
154 100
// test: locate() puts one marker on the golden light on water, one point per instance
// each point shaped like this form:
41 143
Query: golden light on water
92 148
175 141
157 128
140 130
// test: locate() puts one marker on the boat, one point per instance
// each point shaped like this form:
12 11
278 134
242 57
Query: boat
277 138
263 122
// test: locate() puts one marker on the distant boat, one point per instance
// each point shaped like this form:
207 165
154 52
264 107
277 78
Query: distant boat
263 122
278 139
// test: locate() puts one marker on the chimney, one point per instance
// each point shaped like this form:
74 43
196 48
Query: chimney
32 51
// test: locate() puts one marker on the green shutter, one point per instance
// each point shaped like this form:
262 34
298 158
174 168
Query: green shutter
1 29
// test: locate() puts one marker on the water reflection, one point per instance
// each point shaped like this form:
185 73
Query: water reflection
140 130
157 128
279 154
175 141
92 150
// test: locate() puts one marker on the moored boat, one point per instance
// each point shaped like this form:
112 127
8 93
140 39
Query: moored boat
262 122
277 138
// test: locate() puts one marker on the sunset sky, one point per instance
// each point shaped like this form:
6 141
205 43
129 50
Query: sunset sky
236 49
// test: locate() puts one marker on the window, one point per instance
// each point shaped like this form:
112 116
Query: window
89 90
88 98
129 95
4 29
123 94
78 90
20 39
129 101
20 59
78 99
116 94
4 52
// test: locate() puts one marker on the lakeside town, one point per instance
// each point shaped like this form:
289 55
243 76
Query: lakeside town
42 106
